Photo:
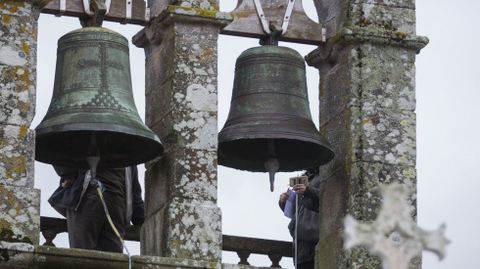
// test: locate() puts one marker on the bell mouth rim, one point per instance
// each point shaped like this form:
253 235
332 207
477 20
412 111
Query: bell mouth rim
95 126
243 162
317 139
148 146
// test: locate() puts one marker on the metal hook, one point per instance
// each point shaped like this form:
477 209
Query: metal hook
272 31
86 6
96 17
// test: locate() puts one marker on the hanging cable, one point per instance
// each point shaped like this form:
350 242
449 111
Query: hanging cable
296 229
98 185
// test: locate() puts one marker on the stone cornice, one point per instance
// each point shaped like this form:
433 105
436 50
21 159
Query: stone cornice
362 35
153 32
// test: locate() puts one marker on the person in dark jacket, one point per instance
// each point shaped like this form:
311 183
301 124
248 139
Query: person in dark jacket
308 207
77 200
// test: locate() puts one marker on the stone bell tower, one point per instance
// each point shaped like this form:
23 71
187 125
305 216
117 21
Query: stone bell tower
182 216
366 61
367 111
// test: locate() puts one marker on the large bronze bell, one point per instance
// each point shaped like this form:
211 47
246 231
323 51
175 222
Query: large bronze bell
269 126
92 112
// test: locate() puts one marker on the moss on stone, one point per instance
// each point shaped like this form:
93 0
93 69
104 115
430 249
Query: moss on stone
216 6
6 233
24 109
207 13
4 225
19 164
9 236
22 134
336 38
25 76
400 35
26 48
6 19
9 73
11 200
13 9
360 256
326 249
206 55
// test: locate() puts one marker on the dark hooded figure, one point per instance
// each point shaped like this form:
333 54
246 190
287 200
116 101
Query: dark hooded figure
306 233
77 199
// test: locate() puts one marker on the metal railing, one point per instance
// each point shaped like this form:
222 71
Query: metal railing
243 246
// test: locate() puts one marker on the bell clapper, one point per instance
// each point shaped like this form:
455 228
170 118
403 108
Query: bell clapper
93 163
93 156
271 164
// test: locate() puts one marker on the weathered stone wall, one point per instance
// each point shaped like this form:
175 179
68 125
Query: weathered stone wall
367 112
19 202
183 219
200 6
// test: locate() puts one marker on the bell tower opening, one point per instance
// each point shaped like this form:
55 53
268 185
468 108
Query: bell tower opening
249 209
48 34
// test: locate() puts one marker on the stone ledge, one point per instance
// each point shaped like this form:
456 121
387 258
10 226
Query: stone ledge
153 33
358 35
16 256
374 34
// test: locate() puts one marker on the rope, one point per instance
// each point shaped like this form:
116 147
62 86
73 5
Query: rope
109 218
296 227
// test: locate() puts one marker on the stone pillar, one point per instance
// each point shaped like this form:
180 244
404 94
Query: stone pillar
182 216
19 201
367 112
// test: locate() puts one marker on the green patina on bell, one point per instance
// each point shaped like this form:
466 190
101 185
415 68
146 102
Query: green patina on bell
92 111
269 126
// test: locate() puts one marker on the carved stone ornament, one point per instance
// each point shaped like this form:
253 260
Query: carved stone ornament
394 237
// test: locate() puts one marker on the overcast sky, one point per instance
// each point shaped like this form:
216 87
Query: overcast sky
448 81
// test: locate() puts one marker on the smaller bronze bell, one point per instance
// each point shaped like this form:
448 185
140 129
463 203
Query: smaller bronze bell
269 126
92 112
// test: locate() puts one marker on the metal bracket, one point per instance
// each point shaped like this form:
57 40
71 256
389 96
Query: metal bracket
96 17
266 25
86 6
85 10
288 15
261 15
147 14
62 9
247 23
128 10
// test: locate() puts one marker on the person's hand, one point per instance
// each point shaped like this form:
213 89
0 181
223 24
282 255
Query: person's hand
283 197
67 182
300 188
